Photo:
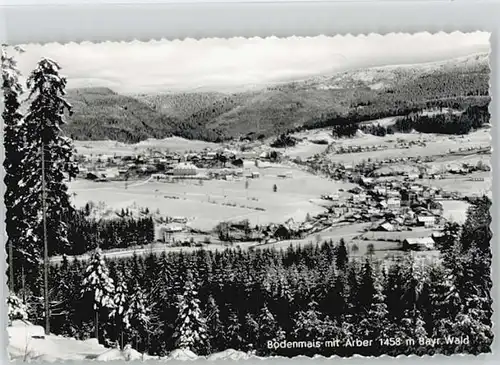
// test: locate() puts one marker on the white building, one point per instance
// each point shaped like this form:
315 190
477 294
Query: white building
393 203
426 221
185 169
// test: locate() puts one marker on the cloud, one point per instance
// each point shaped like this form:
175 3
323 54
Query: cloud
225 64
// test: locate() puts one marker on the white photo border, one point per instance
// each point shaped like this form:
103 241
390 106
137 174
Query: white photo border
44 21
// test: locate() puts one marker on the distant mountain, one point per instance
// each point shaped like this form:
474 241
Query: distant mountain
100 113
315 102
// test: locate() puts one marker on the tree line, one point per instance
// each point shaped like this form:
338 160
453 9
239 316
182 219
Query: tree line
473 117
209 301
86 233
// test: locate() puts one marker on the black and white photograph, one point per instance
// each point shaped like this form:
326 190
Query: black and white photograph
238 198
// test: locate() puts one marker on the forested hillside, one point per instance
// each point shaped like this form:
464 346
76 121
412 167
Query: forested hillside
100 113
348 97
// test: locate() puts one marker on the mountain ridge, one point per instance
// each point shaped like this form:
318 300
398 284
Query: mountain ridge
101 113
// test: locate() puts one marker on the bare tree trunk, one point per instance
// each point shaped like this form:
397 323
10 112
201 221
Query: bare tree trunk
45 247
23 283
11 268
96 321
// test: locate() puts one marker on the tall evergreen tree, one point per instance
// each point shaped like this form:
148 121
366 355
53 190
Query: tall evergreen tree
43 136
367 288
120 311
267 327
214 325
46 161
234 339
139 315
99 286
341 255
13 146
191 330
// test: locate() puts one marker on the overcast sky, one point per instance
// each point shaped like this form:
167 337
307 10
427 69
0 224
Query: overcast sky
228 64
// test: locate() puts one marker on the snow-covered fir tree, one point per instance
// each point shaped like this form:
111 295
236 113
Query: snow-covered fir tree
214 325
120 311
13 143
99 286
191 330
375 324
233 336
42 125
308 324
251 331
16 308
267 325
138 313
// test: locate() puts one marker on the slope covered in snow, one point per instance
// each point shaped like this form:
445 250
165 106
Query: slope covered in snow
28 342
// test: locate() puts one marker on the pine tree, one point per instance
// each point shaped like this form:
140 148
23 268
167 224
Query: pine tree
120 312
11 115
353 291
375 324
191 330
214 325
251 332
310 326
233 336
468 264
46 161
99 286
267 327
138 314
341 256
367 288
43 138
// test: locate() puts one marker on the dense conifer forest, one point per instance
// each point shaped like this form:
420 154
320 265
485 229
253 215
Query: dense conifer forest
243 299
86 234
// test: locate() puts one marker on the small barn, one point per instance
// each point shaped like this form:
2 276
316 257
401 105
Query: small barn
419 244
165 232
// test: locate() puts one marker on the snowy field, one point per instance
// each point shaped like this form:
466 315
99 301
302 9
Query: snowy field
463 184
219 200
455 210
173 144
435 144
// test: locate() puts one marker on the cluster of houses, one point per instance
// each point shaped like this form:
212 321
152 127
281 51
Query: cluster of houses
479 149
402 144
355 148
160 164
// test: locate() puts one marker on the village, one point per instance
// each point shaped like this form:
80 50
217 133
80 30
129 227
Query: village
384 203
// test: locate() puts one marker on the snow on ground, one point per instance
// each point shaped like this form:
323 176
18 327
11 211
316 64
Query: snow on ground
182 354
24 347
218 200
230 354
455 210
